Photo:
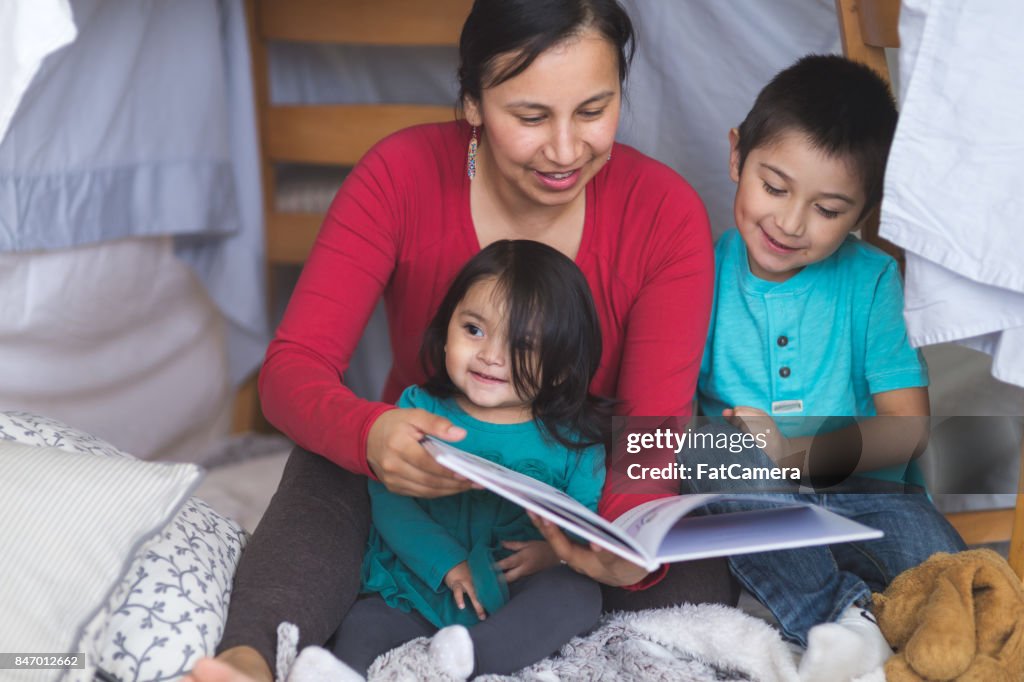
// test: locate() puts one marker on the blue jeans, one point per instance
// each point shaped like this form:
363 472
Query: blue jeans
811 585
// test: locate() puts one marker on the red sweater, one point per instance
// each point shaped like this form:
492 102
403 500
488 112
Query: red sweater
400 227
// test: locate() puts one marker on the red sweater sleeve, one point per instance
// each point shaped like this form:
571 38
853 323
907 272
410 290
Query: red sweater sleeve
665 331
348 268
666 328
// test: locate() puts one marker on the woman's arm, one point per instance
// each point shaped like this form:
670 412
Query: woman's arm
664 339
663 347
301 383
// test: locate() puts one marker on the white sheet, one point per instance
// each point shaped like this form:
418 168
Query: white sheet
144 126
952 189
699 67
118 340
29 31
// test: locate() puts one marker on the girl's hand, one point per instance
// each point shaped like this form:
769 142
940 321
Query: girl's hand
758 422
396 457
460 581
593 562
529 558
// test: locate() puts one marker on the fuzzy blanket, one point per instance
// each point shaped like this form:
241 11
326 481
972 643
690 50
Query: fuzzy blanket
705 643
681 644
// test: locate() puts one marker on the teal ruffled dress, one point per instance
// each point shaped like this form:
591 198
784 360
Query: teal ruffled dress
414 542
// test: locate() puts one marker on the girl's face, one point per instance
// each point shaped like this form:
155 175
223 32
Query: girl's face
550 129
478 361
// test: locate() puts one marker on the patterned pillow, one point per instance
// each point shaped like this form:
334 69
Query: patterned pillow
170 606
32 429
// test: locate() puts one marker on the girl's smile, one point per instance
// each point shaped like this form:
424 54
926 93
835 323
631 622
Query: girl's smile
487 379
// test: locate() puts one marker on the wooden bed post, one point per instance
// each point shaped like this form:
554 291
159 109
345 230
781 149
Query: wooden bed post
1017 537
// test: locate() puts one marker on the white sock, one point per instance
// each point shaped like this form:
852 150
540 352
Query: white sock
451 650
848 648
315 664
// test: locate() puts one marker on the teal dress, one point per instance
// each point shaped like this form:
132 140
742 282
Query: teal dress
414 542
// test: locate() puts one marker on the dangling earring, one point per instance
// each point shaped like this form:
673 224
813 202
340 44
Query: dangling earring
471 156
609 156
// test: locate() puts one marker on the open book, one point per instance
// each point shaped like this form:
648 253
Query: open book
661 531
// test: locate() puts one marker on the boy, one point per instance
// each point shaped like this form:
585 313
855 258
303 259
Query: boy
807 322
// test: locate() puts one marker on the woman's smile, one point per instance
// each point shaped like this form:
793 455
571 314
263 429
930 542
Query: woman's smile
558 182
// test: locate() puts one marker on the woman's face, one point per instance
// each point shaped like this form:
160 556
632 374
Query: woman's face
550 129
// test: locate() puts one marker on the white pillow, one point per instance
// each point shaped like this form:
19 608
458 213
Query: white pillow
171 603
70 526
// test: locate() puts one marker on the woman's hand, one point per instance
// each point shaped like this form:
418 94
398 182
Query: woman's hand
460 581
528 558
593 562
397 458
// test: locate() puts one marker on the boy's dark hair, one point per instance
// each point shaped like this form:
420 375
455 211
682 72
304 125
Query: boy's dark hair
528 27
549 310
845 109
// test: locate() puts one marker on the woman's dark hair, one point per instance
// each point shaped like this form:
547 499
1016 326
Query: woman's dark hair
551 316
528 28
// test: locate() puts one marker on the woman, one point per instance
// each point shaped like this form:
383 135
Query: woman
535 158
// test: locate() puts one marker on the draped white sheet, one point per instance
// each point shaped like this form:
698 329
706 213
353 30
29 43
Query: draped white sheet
29 31
143 126
118 339
953 195
131 152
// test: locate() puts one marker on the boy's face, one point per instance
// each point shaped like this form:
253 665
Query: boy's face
794 205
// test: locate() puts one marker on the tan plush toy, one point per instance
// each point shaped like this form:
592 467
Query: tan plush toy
955 617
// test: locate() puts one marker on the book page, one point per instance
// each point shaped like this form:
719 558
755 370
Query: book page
784 527
539 498
650 522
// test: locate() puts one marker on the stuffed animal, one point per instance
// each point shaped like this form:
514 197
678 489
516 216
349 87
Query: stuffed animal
955 617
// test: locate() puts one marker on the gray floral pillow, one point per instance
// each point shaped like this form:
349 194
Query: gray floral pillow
31 429
170 606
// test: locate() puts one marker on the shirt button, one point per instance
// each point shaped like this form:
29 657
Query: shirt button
782 341
784 372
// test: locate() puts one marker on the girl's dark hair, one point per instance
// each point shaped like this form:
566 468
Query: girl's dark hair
550 312
528 28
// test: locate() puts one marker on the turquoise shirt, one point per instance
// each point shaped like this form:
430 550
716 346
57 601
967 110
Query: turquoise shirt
818 345
415 542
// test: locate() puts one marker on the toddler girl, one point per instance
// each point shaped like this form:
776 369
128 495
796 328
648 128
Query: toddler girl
509 357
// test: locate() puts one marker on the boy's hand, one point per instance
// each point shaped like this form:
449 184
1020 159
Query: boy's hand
529 558
758 422
460 581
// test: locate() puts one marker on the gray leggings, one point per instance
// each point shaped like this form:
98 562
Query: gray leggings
568 604
302 564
